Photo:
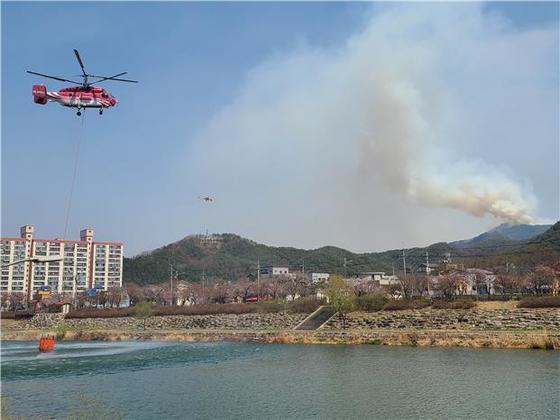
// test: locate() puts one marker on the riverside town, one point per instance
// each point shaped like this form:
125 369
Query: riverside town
280 210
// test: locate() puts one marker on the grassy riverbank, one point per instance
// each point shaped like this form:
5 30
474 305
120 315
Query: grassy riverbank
410 337
488 325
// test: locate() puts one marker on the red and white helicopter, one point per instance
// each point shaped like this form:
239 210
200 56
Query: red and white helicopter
85 95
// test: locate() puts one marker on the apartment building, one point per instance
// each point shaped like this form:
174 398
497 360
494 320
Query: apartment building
83 264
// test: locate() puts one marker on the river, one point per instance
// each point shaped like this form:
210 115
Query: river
167 380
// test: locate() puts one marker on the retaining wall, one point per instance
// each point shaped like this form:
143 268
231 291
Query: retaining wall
454 319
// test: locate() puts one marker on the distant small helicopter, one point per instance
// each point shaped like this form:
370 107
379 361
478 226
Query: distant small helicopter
85 95
207 199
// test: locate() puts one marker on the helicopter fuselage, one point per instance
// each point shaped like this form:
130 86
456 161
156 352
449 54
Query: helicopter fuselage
75 97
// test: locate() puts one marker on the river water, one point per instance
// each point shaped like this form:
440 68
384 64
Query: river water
153 380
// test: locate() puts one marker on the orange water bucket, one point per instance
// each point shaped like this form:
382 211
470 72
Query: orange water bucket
46 344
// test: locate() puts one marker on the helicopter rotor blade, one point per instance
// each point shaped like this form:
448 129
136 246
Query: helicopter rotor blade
53 77
116 80
80 61
108 77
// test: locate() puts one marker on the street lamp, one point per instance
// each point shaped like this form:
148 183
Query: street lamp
36 259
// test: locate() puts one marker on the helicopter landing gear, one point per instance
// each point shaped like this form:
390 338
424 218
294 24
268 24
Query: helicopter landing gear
101 111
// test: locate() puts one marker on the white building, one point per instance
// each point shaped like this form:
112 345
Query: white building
372 275
274 270
318 277
85 263
389 280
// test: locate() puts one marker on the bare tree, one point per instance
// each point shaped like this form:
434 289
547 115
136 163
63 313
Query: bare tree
13 300
541 280
508 283
135 293
446 284
220 292
114 296
413 285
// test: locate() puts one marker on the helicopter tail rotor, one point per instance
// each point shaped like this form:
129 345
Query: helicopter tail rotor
40 94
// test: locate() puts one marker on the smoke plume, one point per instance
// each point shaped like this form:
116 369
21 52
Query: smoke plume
373 130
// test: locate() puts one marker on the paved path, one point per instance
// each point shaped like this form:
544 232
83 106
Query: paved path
317 318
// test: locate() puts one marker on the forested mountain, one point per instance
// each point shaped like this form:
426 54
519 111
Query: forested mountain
231 257
505 234
549 240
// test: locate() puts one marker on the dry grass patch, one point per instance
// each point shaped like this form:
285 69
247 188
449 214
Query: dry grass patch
497 304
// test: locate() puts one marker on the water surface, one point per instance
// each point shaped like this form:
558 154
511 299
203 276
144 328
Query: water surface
147 380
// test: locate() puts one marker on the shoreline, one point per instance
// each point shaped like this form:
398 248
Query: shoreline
502 339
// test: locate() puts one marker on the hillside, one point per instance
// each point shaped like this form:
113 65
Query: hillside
549 240
505 234
232 257
237 257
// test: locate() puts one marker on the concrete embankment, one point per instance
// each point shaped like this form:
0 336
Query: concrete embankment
455 319
511 328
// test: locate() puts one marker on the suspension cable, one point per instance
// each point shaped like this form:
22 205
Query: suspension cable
74 175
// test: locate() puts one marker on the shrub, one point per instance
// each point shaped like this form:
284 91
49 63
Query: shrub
412 339
303 305
542 342
61 331
403 304
540 302
143 311
457 304
370 302
7 315
16 315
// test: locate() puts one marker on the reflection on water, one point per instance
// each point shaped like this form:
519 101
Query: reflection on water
245 380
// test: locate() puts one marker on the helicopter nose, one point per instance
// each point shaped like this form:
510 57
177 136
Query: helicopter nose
113 101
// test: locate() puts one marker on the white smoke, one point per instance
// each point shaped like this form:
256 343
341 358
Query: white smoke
365 129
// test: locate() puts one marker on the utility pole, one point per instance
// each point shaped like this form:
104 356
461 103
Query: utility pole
258 279
403 282
428 273
204 284
171 283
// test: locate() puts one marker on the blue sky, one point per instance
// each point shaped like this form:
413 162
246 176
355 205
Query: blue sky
143 164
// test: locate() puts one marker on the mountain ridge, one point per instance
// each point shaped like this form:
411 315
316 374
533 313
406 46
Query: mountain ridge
231 257
505 233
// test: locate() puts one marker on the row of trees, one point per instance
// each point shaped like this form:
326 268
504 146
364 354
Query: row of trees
542 280
220 291
183 293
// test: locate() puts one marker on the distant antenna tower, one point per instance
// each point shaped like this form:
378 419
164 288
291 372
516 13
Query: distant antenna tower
345 265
